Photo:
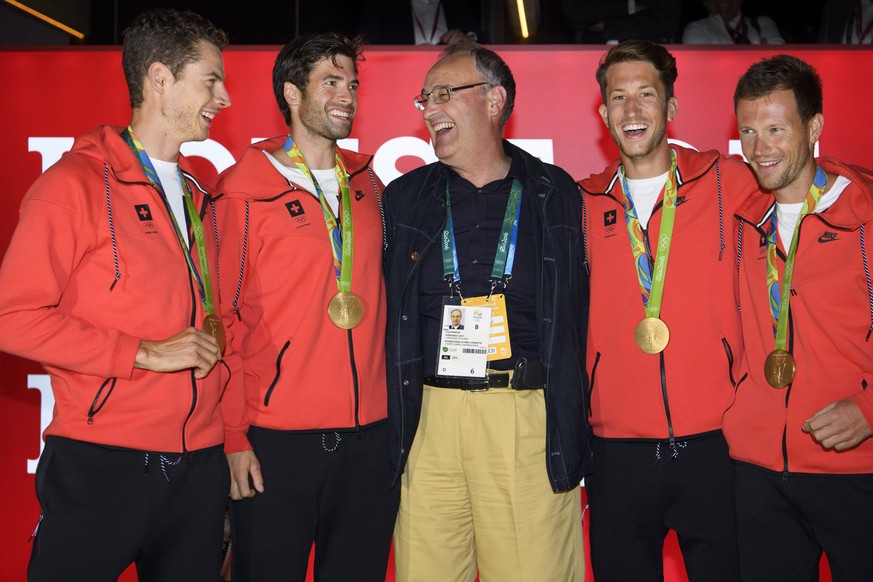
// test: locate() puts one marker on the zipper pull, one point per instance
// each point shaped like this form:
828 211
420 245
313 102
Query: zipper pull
36 529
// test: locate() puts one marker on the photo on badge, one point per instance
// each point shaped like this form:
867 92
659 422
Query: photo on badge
464 337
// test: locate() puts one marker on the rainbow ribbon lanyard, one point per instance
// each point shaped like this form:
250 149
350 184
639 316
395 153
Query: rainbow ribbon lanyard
342 243
204 284
779 296
652 288
504 257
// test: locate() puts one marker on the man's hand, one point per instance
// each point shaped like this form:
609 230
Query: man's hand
243 464
839 425
190 348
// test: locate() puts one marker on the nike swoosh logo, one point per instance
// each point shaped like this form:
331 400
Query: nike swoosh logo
828 237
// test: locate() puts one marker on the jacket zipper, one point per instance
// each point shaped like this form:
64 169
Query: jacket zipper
95 407
663 368
355 382
790 347
403 382
193 324
190 412
730 357
787 398
278 373
591 382
544 189
790 341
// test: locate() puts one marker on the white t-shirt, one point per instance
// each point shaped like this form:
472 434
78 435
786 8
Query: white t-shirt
786 214
644 194
168 173
326 180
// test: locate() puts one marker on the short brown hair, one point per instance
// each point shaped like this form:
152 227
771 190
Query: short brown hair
783 72
165 36
640 51
295 62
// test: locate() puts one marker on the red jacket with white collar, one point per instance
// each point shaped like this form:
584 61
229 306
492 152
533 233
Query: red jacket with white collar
291 368
829 331
94 266
684 390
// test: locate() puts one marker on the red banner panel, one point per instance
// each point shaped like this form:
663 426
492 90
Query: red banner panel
52 95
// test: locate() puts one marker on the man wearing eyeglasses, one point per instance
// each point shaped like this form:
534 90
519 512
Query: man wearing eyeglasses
488 439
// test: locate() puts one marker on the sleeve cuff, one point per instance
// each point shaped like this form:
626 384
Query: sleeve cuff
864 401
125 357
235 442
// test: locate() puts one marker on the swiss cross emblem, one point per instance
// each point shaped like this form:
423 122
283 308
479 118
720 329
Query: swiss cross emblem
143 212
295 208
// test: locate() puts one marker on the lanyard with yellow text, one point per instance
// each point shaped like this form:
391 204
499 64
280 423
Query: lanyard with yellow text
345 309
779 367
651 333
211 324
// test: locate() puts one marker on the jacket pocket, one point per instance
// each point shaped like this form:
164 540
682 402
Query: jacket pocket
100 399
730 362
591 381
278 373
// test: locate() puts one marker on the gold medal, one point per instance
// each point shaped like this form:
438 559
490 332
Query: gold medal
345 310
779 368
652 335
212 326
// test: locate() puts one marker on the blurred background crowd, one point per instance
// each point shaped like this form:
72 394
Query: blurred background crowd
407 22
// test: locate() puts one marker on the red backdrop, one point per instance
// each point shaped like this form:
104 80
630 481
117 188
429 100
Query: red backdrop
53 95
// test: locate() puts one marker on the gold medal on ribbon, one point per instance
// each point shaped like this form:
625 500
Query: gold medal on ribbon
212 326
651 335
345 310
779 368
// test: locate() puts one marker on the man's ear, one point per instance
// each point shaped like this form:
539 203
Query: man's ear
815 125
672 108
158 76
292 94
497 101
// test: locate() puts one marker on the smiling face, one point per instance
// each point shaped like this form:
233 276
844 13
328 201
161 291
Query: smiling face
465 123
195 96
778 145
327 107
636 112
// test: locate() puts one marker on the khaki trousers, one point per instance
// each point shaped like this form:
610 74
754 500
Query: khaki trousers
475 494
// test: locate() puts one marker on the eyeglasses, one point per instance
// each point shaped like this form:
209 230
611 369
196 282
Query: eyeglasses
440 94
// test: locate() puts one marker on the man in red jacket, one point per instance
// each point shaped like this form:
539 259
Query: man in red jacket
800 426
305 409
663 339
108 277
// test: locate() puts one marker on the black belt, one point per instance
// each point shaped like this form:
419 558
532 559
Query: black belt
472 384
527 375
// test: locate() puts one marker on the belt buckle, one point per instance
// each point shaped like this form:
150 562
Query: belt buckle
501 380
477 385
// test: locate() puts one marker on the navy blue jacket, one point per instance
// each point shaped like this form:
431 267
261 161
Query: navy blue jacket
415 214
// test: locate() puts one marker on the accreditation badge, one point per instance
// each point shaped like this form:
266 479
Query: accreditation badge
464 337
499 347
